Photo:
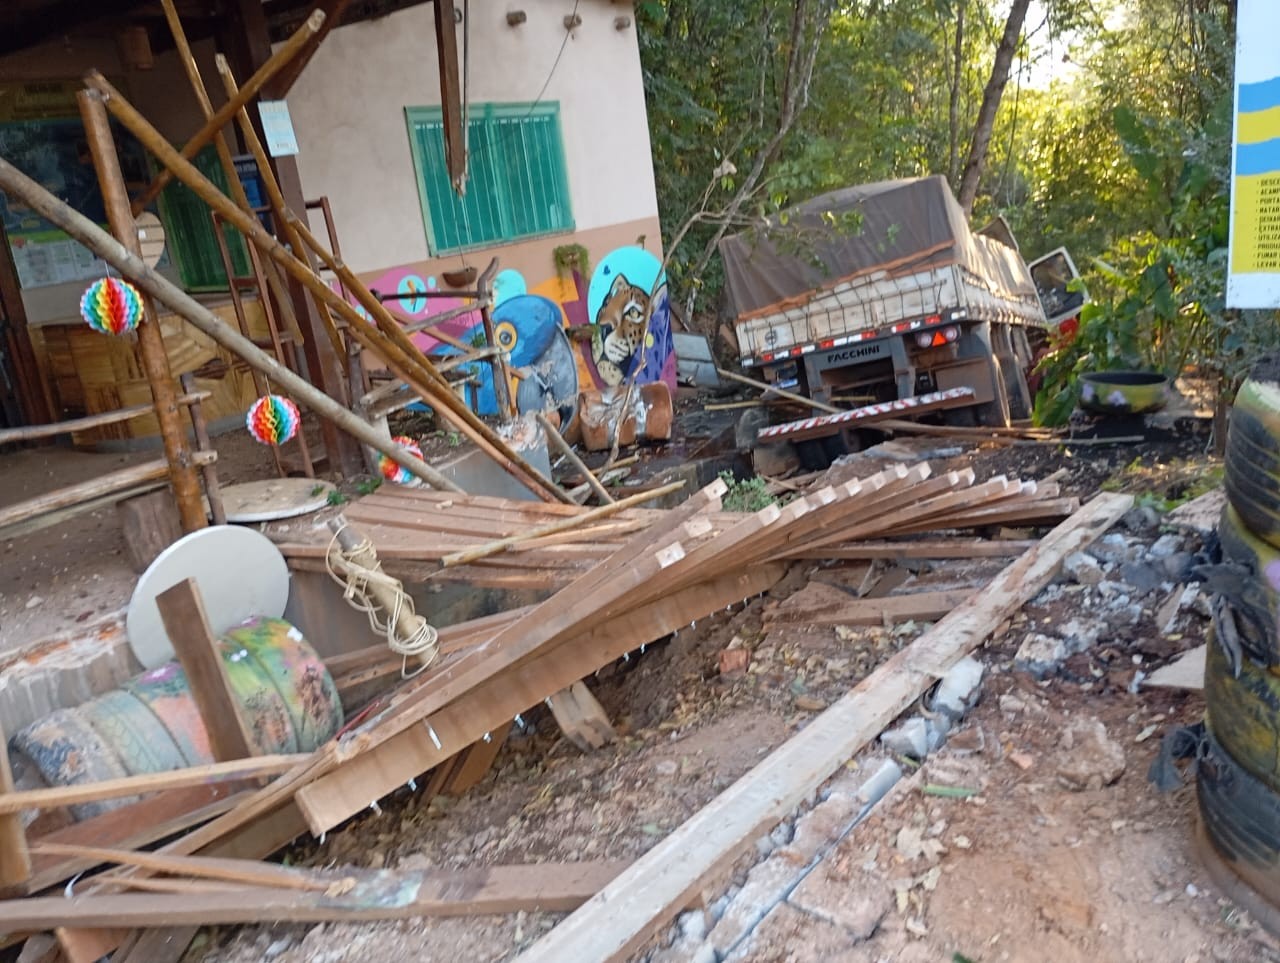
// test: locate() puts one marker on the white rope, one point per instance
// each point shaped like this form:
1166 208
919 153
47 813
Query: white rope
355 578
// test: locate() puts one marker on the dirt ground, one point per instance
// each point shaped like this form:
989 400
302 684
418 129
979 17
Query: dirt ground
1024 869
76 572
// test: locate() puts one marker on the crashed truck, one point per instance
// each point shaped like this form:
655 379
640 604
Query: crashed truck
881 297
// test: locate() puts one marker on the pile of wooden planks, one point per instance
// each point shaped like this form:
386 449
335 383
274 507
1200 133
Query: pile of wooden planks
619 582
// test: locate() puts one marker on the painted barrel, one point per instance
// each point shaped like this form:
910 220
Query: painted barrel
150 724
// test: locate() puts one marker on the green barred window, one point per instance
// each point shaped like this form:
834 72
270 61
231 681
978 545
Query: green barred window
517 185
189 231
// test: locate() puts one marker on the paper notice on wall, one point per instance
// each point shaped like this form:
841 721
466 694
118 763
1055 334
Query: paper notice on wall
1253 280
278 127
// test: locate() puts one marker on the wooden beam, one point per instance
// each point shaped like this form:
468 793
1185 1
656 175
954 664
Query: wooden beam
280 85
329 800
55 797
549 887
621 917
182 611
110 483
874 611
15 860
151 349
227 111
53 429
934 548
450 91
163 290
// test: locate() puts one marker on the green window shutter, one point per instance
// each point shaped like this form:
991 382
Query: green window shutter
189 230
517 183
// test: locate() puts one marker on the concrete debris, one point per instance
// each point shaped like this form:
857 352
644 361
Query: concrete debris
1040 654
1088 757
1165 546
1082 568
910 739
958 691
1143 576
1141 519
1201 514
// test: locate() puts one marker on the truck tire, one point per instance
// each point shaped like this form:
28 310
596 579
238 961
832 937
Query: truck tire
1241 817
1251 563
1253 456
1243 713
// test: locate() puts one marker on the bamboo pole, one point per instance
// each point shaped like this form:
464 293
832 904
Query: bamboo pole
559 525
200 428
402 356
222 117
274 281
19 186
411 359
275 197
556 441
35 432
789 395
155 360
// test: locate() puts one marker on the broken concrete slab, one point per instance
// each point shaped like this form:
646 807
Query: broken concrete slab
1200 514
857 905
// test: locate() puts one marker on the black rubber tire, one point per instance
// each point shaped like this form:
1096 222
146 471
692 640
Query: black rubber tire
1253 454
1251 591
1243 713
1241 817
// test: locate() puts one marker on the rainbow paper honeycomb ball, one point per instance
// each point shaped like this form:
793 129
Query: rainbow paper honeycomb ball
397 473
111 306
273 420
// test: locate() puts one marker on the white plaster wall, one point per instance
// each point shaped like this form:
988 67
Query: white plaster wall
348 111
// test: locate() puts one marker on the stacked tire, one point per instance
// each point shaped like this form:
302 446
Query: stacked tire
1238 774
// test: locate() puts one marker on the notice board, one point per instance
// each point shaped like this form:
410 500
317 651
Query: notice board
1253 279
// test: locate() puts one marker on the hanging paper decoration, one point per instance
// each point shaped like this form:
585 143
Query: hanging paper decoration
111 306
273 420
397 473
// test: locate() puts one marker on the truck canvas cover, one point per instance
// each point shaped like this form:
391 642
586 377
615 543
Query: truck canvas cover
899 227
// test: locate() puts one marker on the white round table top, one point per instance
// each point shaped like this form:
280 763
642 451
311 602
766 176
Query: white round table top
240 573
274 499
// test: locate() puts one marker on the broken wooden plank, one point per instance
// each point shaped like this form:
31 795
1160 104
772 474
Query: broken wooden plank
15 860
475 762
335 796
352 895
581 717
551 528
182 612
55 797
622 916
940 548
889 610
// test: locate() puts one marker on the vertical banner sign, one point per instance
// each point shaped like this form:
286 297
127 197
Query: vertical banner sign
1254 277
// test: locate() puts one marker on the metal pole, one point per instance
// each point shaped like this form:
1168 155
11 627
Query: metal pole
155 362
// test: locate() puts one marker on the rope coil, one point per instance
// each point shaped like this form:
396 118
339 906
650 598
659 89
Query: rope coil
382 598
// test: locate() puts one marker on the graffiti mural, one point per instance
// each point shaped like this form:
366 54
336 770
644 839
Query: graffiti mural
561 334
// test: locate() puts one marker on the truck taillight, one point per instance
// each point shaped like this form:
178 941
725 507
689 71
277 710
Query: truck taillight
937 337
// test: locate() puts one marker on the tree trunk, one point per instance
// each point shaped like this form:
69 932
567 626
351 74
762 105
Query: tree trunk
809 21
957 76
991 104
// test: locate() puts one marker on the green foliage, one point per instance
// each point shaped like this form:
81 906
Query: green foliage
367 486
337 498
569 258
746 495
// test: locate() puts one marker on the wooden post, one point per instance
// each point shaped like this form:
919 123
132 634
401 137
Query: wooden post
450 92
15 861
556 441
201 430
182 611
498 363
19 185
155 362
33 393
248 45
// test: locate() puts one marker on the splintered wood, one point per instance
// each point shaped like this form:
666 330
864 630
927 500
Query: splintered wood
614 580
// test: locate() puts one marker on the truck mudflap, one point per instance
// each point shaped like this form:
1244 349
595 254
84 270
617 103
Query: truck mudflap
823 425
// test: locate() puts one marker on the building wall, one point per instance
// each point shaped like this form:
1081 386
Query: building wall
348 110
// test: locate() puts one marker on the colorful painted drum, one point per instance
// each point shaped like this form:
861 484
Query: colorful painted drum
287 697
